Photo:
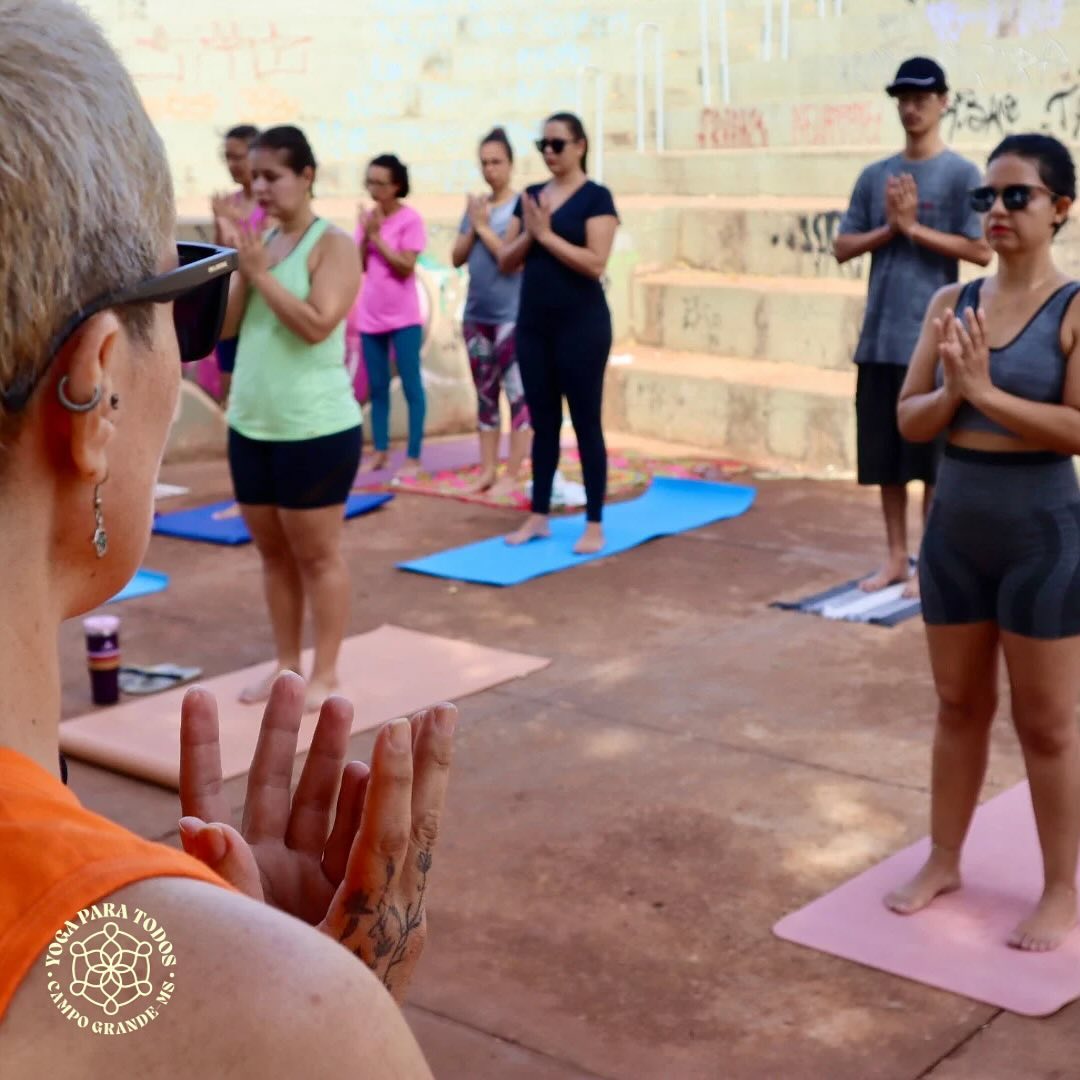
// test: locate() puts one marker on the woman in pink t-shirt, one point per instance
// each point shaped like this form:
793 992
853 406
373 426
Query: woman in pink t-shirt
387 314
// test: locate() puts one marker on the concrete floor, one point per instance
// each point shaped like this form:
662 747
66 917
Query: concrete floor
625 827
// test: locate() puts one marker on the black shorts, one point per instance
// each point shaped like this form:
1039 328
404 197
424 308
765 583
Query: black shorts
303 475
1003 544
886 458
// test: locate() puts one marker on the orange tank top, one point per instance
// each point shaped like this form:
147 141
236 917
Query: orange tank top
57 858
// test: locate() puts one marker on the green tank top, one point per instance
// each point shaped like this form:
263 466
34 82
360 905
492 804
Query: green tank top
285 389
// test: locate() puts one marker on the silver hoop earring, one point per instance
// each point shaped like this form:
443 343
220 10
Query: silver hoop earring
101 537
77 406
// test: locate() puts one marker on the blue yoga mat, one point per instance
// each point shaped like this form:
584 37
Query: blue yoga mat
199 524
144 583
669 506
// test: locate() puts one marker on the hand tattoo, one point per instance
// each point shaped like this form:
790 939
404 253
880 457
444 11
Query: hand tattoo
390 930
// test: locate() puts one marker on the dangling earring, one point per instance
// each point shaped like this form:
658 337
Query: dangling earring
101 537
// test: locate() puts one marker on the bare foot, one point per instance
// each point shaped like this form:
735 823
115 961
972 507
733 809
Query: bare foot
375 463
592 540
229 512
892 573
260 690
411 467
318 690
938 876
536 527
506 485
911 589
1049 924
483 483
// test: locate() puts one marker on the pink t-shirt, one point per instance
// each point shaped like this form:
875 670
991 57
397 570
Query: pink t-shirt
386 301
257 216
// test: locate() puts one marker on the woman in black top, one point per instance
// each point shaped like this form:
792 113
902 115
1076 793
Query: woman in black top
563 232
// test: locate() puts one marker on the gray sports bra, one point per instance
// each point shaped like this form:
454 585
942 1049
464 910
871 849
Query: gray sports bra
1032 366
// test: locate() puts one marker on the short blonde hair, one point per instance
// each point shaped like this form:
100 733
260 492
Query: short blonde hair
86 200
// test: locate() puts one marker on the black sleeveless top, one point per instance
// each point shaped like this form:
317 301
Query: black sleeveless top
1032 366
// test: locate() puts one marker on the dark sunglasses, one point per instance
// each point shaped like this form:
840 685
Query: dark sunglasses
1013 197
198 289
557 145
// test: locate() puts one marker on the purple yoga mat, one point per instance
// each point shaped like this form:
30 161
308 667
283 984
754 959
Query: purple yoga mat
448 454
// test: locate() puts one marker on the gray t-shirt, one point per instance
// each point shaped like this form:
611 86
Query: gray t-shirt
493 296
904 275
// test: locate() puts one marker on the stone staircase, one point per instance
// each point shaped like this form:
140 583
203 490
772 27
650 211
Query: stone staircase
739 337
735 326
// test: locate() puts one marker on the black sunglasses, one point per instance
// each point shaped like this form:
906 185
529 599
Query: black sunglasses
1013 197
198 289
557 145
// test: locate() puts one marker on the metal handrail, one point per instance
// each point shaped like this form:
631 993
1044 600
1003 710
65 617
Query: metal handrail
642 30
725 58
706 58
785 30
598 127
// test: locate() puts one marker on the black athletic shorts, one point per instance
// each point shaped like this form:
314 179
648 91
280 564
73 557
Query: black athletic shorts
885 456
303 475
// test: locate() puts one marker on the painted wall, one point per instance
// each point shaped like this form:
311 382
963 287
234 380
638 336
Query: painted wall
805 110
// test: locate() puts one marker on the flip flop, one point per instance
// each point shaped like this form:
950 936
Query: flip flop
154 679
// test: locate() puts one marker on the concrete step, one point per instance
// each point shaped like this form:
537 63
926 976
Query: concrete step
804 321
758 171
808 172
439 164
760 411
764 235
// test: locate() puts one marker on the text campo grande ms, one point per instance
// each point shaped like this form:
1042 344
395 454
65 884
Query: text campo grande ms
55 955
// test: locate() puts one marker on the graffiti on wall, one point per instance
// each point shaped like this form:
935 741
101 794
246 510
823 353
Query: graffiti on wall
846 124
970 112
1061 115
732 129
225 50
813 236
949 19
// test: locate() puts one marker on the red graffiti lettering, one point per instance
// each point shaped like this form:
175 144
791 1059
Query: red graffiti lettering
732 129
854 124
261 55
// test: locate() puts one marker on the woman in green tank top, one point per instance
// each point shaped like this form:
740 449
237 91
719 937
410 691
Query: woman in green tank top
294 422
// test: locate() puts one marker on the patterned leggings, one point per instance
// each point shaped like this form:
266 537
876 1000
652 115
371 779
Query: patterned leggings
493 358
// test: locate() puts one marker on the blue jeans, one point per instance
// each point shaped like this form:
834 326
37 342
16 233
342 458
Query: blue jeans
406 344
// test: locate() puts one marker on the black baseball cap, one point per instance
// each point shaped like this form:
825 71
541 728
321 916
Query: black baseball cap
918 73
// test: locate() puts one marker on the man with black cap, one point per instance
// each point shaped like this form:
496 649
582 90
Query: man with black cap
912 212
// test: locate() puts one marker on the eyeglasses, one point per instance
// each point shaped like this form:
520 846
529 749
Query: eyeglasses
557 146
1013 197
378 183
198 289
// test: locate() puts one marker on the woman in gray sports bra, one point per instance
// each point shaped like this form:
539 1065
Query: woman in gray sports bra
999 569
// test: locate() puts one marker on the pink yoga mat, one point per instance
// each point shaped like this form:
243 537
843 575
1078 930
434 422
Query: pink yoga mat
958 943
440 456
386 673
